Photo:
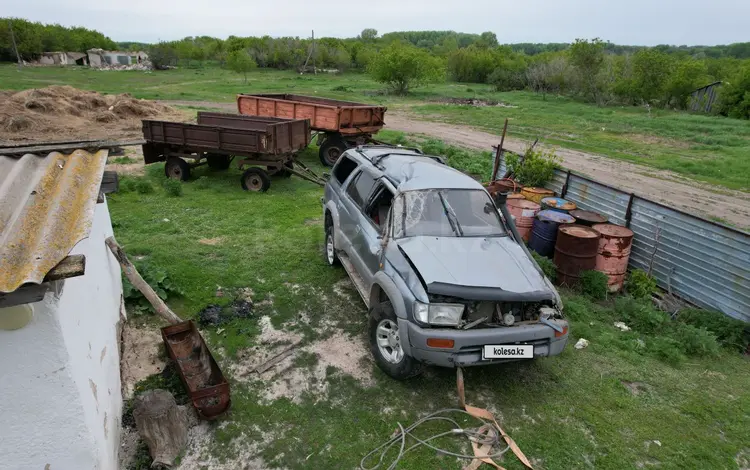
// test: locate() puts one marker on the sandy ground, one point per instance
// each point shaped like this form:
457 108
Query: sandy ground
662 186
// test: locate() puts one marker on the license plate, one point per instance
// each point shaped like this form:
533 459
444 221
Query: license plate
508 351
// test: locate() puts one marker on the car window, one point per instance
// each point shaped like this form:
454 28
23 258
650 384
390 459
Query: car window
377 210
344 168
446 213
359 188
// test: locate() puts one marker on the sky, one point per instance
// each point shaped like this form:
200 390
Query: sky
632 22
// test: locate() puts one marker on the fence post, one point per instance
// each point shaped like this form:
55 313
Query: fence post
629 210
564 189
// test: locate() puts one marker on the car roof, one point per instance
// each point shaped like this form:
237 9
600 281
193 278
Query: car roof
410 170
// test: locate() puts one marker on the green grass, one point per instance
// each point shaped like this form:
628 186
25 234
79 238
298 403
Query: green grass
705 148
572 411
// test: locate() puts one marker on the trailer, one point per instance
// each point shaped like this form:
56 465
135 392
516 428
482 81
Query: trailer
266 145
340 124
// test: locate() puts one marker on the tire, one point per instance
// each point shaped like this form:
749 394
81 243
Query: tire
384 327
177 168
218 162
255 179
333 147
329 250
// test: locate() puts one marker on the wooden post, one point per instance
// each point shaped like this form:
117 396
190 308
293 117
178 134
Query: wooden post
163 426
132 274
499 152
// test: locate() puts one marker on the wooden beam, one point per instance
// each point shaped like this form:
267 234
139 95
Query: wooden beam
71 266
27 294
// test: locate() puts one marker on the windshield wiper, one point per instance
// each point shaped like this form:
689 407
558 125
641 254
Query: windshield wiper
452 218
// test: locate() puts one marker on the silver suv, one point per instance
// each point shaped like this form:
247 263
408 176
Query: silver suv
443 272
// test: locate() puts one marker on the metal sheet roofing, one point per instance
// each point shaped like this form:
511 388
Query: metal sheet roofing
46 207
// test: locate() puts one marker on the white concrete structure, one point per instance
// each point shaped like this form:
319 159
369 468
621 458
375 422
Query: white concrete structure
102 58
60 395
62 58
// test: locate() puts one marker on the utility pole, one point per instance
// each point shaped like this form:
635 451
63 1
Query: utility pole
15 47
315 68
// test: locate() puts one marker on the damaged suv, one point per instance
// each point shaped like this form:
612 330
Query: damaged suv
444 274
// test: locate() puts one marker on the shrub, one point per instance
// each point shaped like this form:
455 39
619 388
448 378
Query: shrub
731 333
202 182
535 168
640 315
594 284
240 62
173 187
157 279
548 267
640 285
127 185
143 186
666 349
694 341
403 67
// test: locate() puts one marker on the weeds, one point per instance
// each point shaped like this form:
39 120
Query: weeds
143 186
731 333
156 278
547 266
172 186
640 285
594 284
535 168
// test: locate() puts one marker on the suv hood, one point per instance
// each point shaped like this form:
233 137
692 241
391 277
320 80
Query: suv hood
495 268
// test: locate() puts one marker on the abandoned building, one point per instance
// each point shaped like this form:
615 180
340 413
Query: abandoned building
63 58
102 58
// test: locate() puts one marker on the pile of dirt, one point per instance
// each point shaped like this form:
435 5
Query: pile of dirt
64 113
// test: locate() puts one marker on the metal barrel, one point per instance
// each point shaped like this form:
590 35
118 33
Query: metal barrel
524 212
614 253
575 252
558 204
544 231
536 194
588 218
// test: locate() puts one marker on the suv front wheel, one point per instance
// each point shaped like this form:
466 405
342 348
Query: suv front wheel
385 344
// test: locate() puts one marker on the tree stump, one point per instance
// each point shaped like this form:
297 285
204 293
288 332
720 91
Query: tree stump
162 424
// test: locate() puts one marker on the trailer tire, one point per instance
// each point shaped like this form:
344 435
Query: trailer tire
255 179
333 147
177 168
218 162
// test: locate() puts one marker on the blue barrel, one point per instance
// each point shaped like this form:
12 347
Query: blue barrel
544 231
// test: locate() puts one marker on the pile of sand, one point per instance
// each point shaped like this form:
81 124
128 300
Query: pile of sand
64 113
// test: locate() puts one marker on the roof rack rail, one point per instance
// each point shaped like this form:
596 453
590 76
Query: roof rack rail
397 146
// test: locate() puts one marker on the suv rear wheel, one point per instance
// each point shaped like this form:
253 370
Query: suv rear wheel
385 344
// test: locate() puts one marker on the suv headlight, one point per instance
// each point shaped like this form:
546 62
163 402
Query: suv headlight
438 314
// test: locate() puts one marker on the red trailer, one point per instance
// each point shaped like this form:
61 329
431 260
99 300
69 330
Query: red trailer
340 124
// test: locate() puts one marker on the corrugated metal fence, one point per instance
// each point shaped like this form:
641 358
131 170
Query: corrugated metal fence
703 262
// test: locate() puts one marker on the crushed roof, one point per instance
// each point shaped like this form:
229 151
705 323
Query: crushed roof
47 208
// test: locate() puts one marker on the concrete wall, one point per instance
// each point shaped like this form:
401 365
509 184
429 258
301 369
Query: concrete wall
60 397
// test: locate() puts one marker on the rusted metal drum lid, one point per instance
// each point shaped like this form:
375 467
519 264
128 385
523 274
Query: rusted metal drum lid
516 196
534 190
524 204
579 231
555 216
613 231
589 216
558 203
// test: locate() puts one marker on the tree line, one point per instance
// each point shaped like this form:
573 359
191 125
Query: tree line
34 38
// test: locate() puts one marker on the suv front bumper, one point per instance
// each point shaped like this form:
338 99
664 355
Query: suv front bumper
468 344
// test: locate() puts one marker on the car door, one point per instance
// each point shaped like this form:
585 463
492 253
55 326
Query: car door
374 220
351 217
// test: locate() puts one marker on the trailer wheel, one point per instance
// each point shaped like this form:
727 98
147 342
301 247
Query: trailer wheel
255 179
218 162
177 168
331 150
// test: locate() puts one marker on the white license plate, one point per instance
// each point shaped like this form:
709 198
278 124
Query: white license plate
508 351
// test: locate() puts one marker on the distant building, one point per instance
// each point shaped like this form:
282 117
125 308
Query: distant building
63 58
703 99
60 391
102 58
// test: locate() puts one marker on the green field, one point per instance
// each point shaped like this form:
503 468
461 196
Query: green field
705 148
605 406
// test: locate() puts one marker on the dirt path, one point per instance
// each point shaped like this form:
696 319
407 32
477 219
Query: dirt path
663 186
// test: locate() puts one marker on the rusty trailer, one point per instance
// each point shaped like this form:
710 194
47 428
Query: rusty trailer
340 124
266 145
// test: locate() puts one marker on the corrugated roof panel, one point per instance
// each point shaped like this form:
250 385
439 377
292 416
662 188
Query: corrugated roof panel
47 207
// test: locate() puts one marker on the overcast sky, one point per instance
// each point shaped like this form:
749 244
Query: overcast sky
638 22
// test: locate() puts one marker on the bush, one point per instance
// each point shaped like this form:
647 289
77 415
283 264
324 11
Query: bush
173 187
594 284
694 341
640 315
731 333
666 349
127 185
143 186
535 168
734 99
640 285
157 279
403 67
548 267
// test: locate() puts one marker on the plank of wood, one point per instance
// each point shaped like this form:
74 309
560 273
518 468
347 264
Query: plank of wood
70 266
27 294
286 352
110 182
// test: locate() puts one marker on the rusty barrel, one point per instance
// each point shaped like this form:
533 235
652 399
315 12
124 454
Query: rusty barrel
544 231
558 204
614 253
516 196
537 194
588 218
575 252
524 212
